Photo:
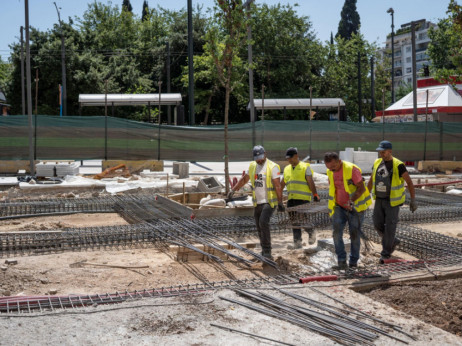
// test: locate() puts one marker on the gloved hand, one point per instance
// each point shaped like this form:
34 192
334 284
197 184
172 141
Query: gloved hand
413 205
281 207
230 194
316 197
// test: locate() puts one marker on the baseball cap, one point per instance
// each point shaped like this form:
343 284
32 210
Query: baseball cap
258 152
384 145
291 152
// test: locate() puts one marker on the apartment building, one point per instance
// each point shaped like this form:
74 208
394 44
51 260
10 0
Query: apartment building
403 51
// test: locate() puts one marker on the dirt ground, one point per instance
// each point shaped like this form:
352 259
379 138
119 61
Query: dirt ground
186 321
436 302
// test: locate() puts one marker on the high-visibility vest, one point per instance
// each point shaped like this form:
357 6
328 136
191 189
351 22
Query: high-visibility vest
397 191
271 196
362 203
295 179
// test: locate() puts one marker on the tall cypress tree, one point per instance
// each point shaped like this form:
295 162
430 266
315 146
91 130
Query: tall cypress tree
145 13
349 20
127 6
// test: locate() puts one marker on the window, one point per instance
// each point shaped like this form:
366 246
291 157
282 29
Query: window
409 70
408 49
409 80
408 59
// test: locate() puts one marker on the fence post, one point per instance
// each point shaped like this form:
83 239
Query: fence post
441 140
426 126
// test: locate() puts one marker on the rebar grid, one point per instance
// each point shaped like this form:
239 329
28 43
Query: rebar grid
43 304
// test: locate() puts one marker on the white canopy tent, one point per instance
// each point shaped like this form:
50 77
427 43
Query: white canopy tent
298 103
86 100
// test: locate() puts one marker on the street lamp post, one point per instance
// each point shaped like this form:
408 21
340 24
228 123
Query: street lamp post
63 64
392 12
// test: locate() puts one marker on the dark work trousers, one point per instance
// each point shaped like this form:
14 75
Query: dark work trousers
262 214
385 219
292 214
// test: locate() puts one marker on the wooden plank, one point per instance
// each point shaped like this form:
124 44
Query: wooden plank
439 166
135 166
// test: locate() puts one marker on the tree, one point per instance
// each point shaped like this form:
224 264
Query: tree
445 48
5 75
224 41
145 12
349 20
127 6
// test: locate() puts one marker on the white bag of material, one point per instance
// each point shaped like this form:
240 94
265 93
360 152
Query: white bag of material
205 199
241 204
214 203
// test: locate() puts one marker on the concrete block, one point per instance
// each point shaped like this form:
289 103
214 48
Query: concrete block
328 244
181 169
209 185
347 154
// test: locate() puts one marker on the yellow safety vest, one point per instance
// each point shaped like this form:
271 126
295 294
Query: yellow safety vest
295 180
270 191
397 191
362 203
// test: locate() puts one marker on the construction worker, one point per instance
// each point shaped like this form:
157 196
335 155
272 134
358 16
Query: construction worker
298 178
264 176
348 200
387 187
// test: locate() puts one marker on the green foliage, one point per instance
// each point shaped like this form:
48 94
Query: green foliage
127 6
5 74
445 49
145 12
349 20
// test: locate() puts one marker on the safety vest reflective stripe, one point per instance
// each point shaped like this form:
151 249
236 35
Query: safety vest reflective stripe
397 187
300 192
398 198
364 201
270 189
295 182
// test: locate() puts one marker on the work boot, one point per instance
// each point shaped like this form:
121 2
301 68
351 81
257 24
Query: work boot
267 254
395 244
297 245
342 265
311 236
353 265
383 258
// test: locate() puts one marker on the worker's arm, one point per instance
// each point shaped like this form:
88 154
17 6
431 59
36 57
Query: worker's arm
410 185
369 184
283 184
360 188
278 189
244 180
310 181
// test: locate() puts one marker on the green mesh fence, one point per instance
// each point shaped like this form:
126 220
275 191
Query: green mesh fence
81 138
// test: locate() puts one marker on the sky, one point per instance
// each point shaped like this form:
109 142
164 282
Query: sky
324 14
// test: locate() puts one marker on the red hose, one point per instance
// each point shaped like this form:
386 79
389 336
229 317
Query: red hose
318 278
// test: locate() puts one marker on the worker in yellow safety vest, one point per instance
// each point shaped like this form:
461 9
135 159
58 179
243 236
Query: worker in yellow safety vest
387 187
348 201
264 177
298 179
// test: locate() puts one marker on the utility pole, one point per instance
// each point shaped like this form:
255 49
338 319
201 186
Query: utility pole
63 64
23 94
36 92
29 91
392 12
192 119
158 133
169 90
360 101
372 89
250 61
